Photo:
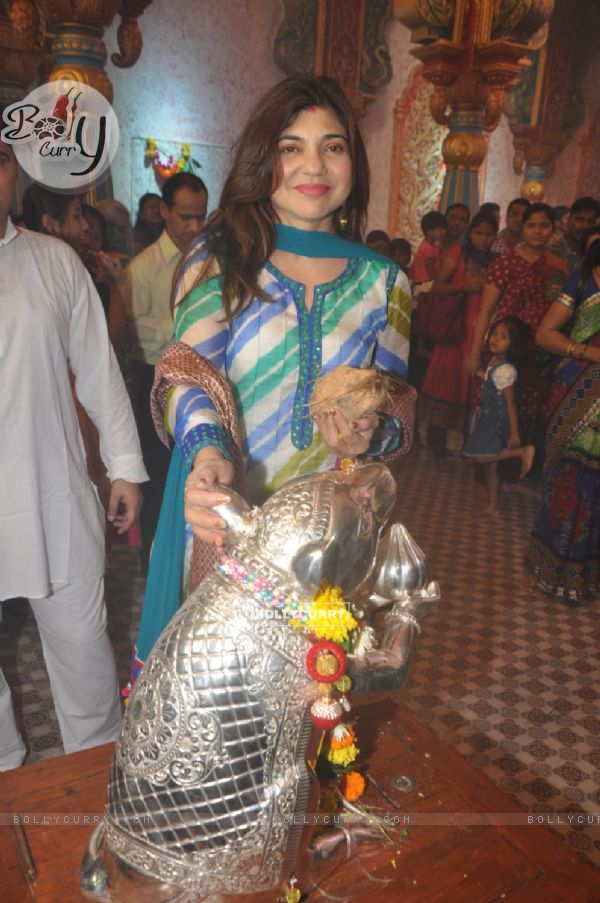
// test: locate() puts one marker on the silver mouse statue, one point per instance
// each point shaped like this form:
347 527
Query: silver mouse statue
209 783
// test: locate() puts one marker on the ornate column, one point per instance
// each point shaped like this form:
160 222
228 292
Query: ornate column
473 53
340 38
21 48
76 29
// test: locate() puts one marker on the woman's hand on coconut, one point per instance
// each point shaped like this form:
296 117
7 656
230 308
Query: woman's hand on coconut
202 492
346 438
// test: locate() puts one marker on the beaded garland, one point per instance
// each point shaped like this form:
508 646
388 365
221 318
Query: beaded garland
263 590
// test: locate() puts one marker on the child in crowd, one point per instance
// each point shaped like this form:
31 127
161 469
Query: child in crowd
427 259
379 241
495 433
401 252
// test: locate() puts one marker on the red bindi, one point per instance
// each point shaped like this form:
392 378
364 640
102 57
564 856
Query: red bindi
312 109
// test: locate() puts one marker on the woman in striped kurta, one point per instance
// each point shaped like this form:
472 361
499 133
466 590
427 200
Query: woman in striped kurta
273 352
276 291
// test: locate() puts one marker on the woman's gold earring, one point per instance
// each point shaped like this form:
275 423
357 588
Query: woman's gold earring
343 221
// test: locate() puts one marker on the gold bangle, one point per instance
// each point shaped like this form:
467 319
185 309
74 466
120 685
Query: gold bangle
570 349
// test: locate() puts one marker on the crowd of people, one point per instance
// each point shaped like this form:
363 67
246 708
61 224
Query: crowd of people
222 324
505 352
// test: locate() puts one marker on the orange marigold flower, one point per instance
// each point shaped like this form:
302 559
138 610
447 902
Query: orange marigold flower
352 785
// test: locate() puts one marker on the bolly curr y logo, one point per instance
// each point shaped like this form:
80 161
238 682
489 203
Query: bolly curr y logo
64 134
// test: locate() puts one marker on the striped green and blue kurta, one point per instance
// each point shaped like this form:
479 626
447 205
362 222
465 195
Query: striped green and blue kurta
274 352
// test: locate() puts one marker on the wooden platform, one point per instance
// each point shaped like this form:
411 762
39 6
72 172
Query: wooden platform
430 863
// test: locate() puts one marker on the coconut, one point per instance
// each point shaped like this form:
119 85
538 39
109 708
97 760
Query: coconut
353 391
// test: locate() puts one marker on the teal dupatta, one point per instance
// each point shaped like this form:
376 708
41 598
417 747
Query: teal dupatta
163 594
323 244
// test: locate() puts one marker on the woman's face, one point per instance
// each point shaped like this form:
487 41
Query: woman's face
537 231
315 171
151 211
482 237
74 226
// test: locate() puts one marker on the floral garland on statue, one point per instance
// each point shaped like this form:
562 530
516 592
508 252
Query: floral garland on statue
164 169
334 631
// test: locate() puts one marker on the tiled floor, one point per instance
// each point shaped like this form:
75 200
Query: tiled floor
507 677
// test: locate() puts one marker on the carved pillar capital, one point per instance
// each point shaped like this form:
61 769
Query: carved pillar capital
473 52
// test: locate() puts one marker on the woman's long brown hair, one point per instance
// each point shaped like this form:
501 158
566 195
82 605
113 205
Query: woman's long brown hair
240 234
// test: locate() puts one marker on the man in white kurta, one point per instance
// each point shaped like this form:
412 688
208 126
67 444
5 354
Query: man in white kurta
51 521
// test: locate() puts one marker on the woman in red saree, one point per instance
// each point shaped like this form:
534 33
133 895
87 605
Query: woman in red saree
446 400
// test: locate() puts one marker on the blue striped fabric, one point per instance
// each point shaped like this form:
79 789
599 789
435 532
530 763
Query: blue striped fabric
276 350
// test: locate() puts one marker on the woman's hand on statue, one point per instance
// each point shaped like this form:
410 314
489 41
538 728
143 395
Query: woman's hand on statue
472 363
345 438
201 494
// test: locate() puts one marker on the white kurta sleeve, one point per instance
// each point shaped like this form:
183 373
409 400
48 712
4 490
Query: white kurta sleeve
98 380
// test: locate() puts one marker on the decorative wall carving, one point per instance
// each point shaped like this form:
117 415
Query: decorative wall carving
520 19
417 168
376 68
340 38
294 48
343 33
588 175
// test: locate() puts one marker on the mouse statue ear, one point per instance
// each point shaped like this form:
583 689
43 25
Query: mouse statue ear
307 567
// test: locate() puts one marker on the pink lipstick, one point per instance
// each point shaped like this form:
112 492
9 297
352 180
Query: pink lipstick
312 189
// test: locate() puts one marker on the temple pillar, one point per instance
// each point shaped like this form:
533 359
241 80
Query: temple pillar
463 151
473 52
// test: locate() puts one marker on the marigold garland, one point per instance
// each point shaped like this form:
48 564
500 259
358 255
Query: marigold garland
329 618
342 758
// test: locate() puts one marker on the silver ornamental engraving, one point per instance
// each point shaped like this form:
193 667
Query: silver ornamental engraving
209 784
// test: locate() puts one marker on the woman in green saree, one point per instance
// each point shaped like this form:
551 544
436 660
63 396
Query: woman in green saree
564 548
